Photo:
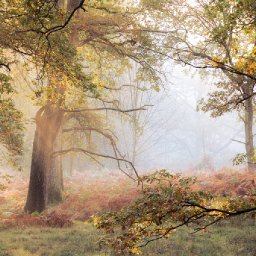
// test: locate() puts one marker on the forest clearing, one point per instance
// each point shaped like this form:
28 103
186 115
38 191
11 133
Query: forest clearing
68 229
127 127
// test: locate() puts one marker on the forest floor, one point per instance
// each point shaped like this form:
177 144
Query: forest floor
227 239
64 230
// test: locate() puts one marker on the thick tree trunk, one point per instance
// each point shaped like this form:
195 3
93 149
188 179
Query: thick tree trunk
45 185
54 183
248 123
46 177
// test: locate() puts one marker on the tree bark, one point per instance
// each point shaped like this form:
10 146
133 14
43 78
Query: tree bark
54 178
248 123
45 185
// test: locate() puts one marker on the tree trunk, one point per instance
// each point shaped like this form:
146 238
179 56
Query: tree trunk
55 176
46 176
248 123
45 185
71 160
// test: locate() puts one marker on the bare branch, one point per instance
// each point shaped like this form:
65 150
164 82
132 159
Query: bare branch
5 66
108 108
60 27
229 213
239 141
87 152
121 87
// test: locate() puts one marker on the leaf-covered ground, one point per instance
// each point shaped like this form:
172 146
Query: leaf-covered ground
89 193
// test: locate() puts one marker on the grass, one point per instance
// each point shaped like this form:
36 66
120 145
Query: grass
227 239
223 240
80 239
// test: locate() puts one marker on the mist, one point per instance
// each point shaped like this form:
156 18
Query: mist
181 137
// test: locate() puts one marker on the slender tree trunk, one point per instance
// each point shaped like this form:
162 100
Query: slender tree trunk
71 160
45 185
248 122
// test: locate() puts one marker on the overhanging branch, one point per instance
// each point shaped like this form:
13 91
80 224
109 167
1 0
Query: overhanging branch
228 213
90 153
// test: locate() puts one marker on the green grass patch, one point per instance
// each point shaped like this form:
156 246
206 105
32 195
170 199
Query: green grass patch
229 239
226 239
80 239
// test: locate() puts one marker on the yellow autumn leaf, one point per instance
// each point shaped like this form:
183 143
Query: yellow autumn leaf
136 251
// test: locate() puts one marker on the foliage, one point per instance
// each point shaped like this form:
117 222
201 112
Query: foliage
84 196
217 37
4 181
239 159
87 194
168 202
11 131
11 121
228 182
243 157
49 219
58 220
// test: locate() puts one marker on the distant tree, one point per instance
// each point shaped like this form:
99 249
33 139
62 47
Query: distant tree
216 36
11 122
135 93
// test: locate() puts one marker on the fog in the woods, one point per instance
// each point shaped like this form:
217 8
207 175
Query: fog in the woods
177 136
170 133
127 127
